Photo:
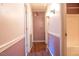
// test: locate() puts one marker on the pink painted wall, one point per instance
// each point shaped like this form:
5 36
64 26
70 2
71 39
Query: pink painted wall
54 44
39 26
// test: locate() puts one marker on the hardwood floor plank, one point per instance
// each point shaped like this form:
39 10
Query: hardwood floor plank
39 49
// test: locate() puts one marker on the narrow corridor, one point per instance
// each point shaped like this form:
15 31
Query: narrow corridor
39 49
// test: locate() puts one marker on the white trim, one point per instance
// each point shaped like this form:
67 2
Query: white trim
38 40
29 50
10 43
25 28
46 31
50 51
54 34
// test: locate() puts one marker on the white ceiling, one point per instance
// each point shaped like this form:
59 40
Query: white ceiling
39 6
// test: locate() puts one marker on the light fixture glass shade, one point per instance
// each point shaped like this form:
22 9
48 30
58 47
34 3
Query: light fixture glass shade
55 6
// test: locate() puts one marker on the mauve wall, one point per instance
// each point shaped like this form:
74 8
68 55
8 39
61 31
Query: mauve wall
17 49
54 44
38 23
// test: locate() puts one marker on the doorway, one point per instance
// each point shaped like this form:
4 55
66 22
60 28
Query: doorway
45 22
71 30
39 47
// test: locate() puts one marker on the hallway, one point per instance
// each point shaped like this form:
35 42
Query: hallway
39 49
44 29
38 23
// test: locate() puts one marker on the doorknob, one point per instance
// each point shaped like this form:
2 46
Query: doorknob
65 34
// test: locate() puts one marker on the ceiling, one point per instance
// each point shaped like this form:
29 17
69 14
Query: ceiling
38 6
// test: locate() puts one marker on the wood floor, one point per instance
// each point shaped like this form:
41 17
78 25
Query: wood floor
39 49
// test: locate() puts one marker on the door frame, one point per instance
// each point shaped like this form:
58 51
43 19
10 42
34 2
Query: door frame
64 38
46 30
46 25
25 27
28 35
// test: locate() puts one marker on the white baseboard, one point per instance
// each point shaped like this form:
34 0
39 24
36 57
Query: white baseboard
28 51
50 51
38 40
10 43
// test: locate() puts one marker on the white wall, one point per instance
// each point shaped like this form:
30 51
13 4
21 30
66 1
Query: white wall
54 21
55 25
11 22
